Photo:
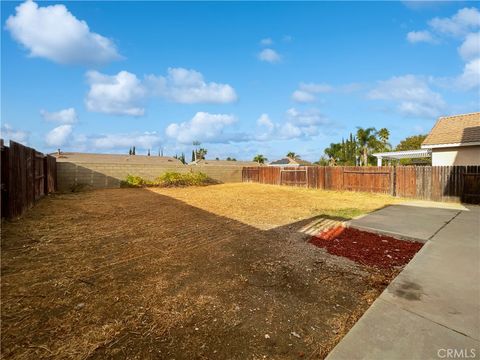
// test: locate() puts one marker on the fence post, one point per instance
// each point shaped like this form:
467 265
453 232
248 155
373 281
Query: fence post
4 179
394 181
45 175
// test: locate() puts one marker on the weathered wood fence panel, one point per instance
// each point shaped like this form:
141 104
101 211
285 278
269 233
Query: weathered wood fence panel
26 176
294 177
438 183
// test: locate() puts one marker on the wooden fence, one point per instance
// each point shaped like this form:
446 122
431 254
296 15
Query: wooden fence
26 176
438 183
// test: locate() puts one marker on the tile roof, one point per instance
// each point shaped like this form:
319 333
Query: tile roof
458 129
290 161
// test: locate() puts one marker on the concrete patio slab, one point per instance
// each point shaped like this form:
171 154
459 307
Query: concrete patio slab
442 283
406 221
434 303
389 332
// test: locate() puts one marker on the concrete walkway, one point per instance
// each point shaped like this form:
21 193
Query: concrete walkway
432 309
418 220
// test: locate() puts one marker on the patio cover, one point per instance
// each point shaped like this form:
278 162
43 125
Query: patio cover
407 154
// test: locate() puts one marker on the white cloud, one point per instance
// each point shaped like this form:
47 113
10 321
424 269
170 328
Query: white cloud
59 136
269 55
316 88
459 24
264 120
145 140
303 96
420 36
188 86
309 117
52 32
126 94
470 48
120 94
65 116
7 132
297 124
464 26
306 92
267 128
470 78
203 127
104 142
411 94
266 42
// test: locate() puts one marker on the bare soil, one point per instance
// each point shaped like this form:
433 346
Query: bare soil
137 274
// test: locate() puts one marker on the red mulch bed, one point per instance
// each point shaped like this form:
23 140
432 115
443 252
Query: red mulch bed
367 248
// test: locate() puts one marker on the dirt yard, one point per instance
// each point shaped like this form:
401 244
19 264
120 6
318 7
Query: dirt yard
199 273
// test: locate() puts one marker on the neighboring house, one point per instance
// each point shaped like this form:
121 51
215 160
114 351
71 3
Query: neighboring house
76 157
455 140
290 162
224 163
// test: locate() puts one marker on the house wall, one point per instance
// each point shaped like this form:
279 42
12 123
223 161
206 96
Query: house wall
465 155
110 175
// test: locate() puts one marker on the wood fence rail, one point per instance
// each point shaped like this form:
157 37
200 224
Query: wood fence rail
26 176
438 183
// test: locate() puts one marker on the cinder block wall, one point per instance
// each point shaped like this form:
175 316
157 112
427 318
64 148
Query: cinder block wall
109 175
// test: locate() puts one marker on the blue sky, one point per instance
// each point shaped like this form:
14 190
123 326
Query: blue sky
241 78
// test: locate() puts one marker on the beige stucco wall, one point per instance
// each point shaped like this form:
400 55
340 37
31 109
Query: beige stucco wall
109 175
465 155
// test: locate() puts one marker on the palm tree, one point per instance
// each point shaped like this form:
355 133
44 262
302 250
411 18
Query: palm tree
333 152
367 141
292 155
383 135
195 144
260 159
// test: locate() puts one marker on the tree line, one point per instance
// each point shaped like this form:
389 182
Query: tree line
355 150
358 148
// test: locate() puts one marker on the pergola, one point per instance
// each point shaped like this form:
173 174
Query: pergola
407 154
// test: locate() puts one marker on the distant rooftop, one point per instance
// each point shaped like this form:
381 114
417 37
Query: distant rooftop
77 157
290 162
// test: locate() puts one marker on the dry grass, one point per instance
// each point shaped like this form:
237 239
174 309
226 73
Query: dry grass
268 206
178 273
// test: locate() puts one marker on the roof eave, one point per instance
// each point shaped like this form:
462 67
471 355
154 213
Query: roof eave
436 146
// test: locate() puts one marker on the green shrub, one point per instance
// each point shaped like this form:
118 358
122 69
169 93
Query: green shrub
134 181
170 179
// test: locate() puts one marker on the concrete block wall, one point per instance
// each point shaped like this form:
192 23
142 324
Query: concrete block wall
110 175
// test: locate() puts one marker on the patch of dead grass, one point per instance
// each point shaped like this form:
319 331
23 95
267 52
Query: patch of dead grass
268 206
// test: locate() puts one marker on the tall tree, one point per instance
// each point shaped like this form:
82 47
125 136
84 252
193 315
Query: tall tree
383 135
334 153
130 151
201 153
367 141
260 159
148 153
292 155
182 158
193 155
411 143
133 151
